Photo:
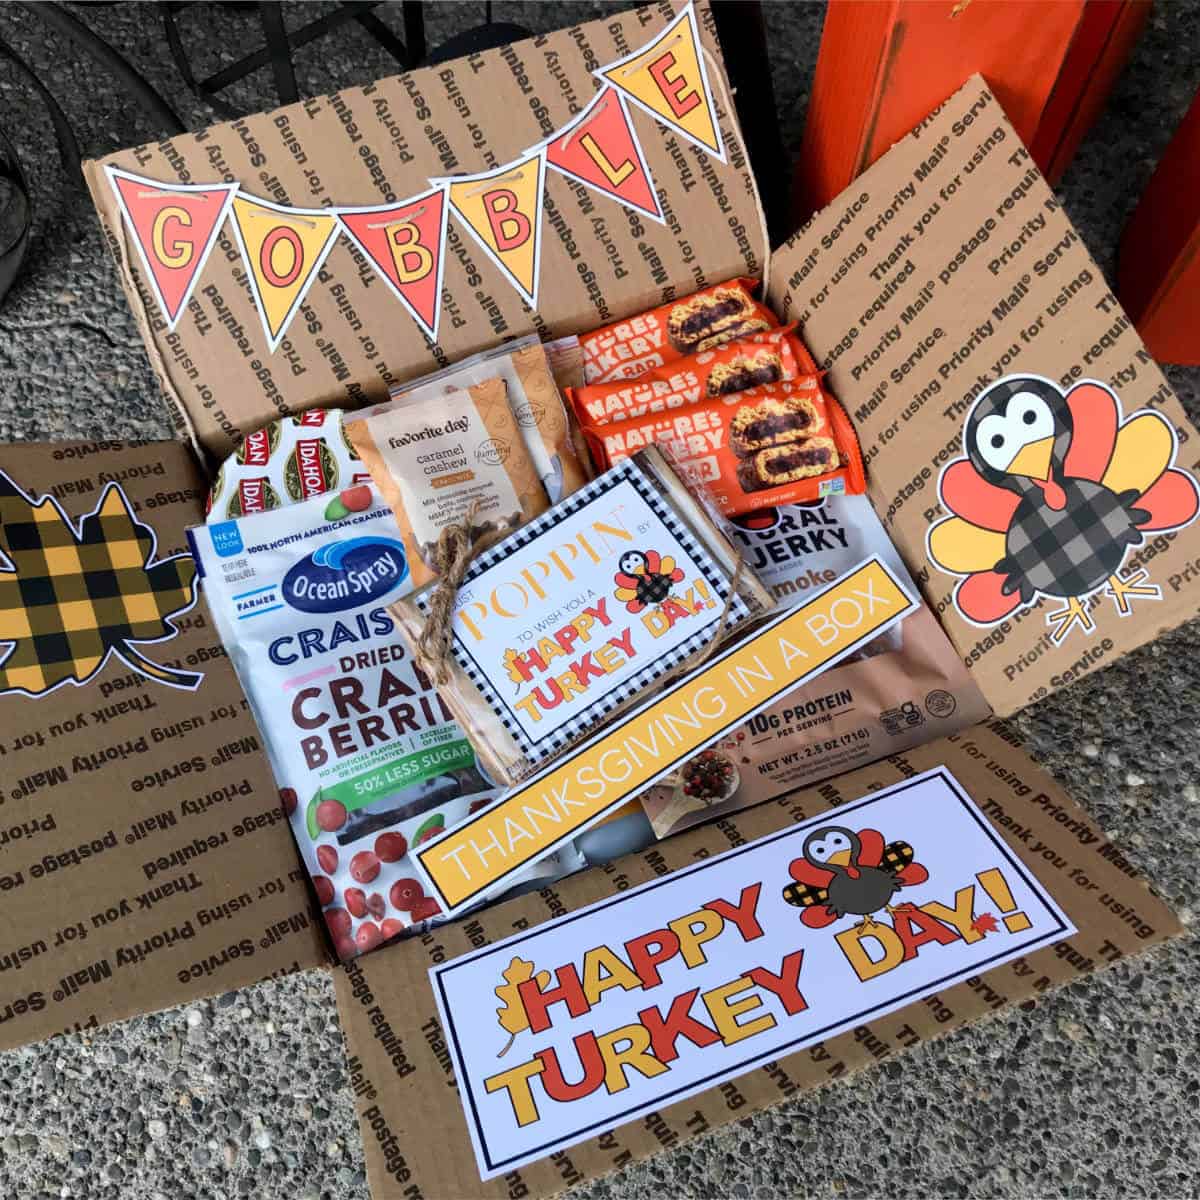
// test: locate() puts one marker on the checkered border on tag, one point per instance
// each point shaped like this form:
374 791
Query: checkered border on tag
585 721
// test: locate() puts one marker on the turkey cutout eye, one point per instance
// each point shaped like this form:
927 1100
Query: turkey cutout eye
1027 418
825 850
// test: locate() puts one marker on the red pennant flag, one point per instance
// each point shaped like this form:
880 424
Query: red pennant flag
174 228
404 243
600 149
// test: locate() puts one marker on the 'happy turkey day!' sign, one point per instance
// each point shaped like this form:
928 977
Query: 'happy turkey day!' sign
671 988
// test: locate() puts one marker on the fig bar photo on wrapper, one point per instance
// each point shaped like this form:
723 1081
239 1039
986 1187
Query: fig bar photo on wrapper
367 756
525 368
748 362
786 443
438 459
701 321
583 611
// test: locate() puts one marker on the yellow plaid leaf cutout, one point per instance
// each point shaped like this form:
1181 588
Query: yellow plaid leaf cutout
69 600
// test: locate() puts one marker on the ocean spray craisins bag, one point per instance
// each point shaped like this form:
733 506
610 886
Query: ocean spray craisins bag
366 755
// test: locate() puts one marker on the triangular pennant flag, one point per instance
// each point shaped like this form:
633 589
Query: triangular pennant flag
599 148
404 243
668 79
174 227
503 210
283 248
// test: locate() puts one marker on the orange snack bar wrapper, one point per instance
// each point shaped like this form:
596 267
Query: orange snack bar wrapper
701 321
752 361
785 443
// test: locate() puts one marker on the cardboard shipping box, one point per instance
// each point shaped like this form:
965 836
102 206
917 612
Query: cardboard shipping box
185 883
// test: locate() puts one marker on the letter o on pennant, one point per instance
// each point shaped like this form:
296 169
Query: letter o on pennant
266 257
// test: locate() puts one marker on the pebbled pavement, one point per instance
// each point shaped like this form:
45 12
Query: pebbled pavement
1093 1092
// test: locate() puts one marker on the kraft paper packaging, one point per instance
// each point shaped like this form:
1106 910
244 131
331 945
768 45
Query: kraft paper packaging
946 266
376 144
574 618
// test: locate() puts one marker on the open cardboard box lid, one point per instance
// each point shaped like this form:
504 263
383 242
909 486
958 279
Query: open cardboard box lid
154 804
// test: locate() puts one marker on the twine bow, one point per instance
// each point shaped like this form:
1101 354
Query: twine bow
457 547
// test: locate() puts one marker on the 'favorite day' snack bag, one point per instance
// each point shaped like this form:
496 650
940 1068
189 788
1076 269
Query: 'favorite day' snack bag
439 459
526 368
368 758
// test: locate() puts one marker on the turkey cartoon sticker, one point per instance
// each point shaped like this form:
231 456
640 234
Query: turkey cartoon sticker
1054 492
840 871
645 578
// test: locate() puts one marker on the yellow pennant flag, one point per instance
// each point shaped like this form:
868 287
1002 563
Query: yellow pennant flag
503 210
283 249
668 80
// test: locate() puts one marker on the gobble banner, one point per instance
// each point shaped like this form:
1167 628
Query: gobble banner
641 1000
174 226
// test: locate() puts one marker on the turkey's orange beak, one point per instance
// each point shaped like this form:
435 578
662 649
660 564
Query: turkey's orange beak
1033 460
840 859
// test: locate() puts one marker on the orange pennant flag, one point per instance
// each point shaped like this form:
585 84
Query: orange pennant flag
404 243
599 148
283 248
503 210
668 79
174 227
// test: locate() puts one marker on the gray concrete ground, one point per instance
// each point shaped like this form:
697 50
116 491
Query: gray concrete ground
1095 1092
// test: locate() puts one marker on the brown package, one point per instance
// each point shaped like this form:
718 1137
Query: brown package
892 696
437 460
524 368
371 144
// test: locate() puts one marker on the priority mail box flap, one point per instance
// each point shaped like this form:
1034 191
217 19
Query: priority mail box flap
364 146
401 1069
945 268
144 856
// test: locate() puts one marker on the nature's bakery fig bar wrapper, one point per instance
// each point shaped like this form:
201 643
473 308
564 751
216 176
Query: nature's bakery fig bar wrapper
700 320
960 319
351 340
144 856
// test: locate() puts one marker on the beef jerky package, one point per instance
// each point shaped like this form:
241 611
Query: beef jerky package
526 370
748 362
368 759
905 687
701 321
576 616
783 443
438 458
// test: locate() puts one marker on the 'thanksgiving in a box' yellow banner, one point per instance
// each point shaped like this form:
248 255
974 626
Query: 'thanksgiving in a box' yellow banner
580 788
